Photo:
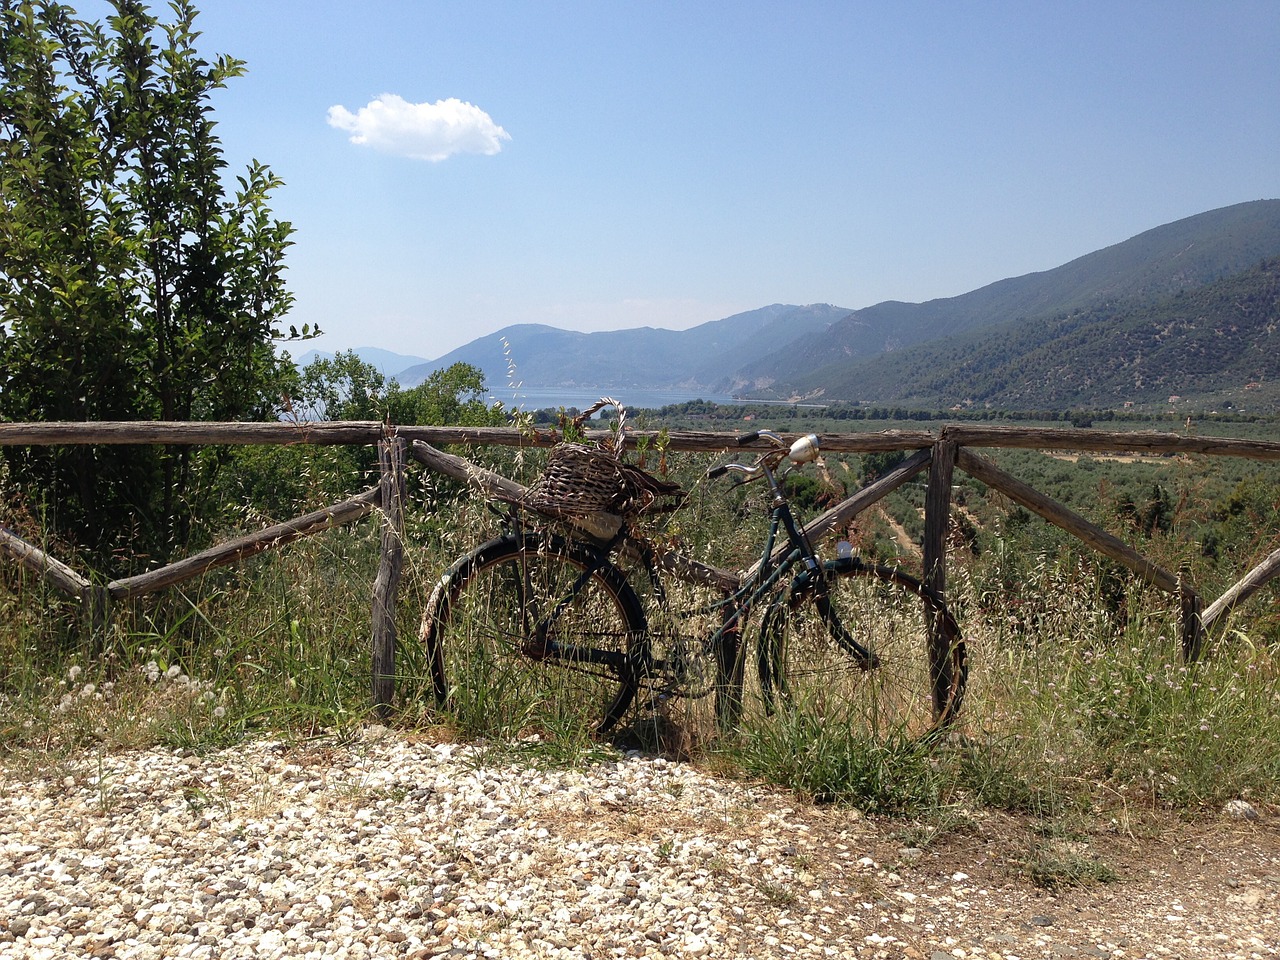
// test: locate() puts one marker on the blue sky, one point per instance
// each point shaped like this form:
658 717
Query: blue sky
668 163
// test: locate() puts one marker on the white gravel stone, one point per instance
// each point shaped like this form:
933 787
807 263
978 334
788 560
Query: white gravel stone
385 847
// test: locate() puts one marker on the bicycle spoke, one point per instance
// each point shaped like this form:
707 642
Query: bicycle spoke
898 692
519 640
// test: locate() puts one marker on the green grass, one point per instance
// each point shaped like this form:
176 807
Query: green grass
1078 703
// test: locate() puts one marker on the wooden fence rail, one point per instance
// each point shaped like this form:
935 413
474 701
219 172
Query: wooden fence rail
940 453
369 432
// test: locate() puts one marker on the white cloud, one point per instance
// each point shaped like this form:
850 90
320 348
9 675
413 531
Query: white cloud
420 131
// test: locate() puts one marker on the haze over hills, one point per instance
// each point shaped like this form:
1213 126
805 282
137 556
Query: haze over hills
639 357
1040 340
387 362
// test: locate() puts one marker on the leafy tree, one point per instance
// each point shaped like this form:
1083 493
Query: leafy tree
134 284
278 480
455 396
875 465
348 388
341 388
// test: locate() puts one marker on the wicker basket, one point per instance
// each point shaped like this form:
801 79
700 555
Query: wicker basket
580 478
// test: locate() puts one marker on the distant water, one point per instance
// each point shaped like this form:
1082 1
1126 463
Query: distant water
540 398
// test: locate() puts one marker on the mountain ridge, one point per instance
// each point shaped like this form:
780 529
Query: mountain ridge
822 351
1178 255
1219 341
536 355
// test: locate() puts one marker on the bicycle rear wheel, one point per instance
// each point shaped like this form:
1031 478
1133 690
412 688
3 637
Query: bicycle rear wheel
520 637
908 688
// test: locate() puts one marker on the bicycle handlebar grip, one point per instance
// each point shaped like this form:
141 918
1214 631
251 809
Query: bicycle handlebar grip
716 472
748 437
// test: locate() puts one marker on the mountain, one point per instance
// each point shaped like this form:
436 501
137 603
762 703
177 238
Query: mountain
1219 342
1105 328
542 356
1168 259
388 363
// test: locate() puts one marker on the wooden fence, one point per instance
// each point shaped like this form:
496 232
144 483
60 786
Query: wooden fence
941 453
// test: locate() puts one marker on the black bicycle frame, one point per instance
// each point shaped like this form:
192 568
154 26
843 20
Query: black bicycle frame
737 606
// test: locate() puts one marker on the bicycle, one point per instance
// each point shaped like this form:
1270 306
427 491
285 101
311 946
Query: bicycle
547 615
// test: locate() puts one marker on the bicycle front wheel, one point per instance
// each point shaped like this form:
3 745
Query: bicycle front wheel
534 633
868 659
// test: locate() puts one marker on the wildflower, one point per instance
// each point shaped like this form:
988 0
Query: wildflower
219 711
173 671
89 690
73 673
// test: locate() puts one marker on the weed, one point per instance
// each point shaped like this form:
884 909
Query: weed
934 826
831 761
1054 864
776 893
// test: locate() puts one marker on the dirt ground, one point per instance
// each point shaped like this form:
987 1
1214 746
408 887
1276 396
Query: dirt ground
1000 886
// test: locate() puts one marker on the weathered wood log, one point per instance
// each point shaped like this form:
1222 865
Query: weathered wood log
105 433
339 432
937 516
838 517
31 557
685 441
685 568
235 550
1246 587
1101 441
598 526
1068 520
391 461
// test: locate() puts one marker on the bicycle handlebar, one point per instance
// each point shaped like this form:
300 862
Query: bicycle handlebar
804 450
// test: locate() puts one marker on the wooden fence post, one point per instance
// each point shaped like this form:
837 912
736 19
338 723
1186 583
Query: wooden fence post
391 461
937 517
1192 628
95 613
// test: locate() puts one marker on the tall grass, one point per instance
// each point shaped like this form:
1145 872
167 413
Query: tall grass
1076 702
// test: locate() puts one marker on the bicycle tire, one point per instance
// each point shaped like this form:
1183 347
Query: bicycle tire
706 688
484 658
915 689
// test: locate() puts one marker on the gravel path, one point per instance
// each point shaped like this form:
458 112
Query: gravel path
387 847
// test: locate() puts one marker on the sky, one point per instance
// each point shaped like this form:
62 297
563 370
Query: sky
452 168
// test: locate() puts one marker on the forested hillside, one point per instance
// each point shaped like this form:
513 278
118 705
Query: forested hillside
1166 260
1218 342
